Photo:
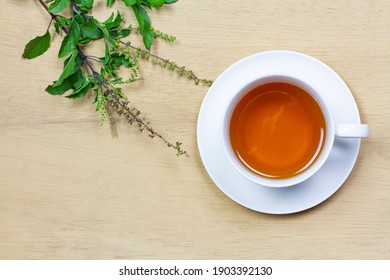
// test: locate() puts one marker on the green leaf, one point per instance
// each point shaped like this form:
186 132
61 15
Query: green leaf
78 62
90 30
57 26
61 89
107 56
85 5
81 88
115 61
104 29
145 3
63 22
170 1
148 37
106 34
110 2
84 41
71 39
109 20
37 46
68 68
117 80
81 83
125 32
142 16
81 93
121 33
144 24
156 3
113 23
58 6
66 85
80 19
108 71
117 21
129 3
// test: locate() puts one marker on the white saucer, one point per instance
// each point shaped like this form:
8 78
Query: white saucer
277 200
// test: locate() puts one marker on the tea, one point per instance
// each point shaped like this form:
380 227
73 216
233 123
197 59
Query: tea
277 130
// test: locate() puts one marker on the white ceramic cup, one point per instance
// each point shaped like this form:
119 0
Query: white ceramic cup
332 130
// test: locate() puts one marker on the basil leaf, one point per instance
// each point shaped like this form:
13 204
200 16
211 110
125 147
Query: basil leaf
85 5
80 19
77 66
110 2
156 3
81 87
148 37
122 33
68 68
81 93
37 46
66 85
90 30
144 24
71 39
113 23
130 2
146 4
117 21
58 6
107 56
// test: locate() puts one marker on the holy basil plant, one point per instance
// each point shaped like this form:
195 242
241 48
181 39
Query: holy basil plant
83 72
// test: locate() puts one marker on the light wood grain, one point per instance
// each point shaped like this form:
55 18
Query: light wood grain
71 191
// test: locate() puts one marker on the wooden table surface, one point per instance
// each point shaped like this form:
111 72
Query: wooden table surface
71 191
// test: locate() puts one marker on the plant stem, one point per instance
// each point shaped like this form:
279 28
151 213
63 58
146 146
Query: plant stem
157 57
77 8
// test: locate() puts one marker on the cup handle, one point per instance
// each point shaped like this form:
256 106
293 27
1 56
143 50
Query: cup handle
352 130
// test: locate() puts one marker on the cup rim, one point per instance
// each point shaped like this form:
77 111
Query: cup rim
329 127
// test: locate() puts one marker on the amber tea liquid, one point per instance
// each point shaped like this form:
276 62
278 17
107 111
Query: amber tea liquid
277 130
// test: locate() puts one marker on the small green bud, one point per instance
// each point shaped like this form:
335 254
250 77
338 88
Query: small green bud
181 70
146 57
165 63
